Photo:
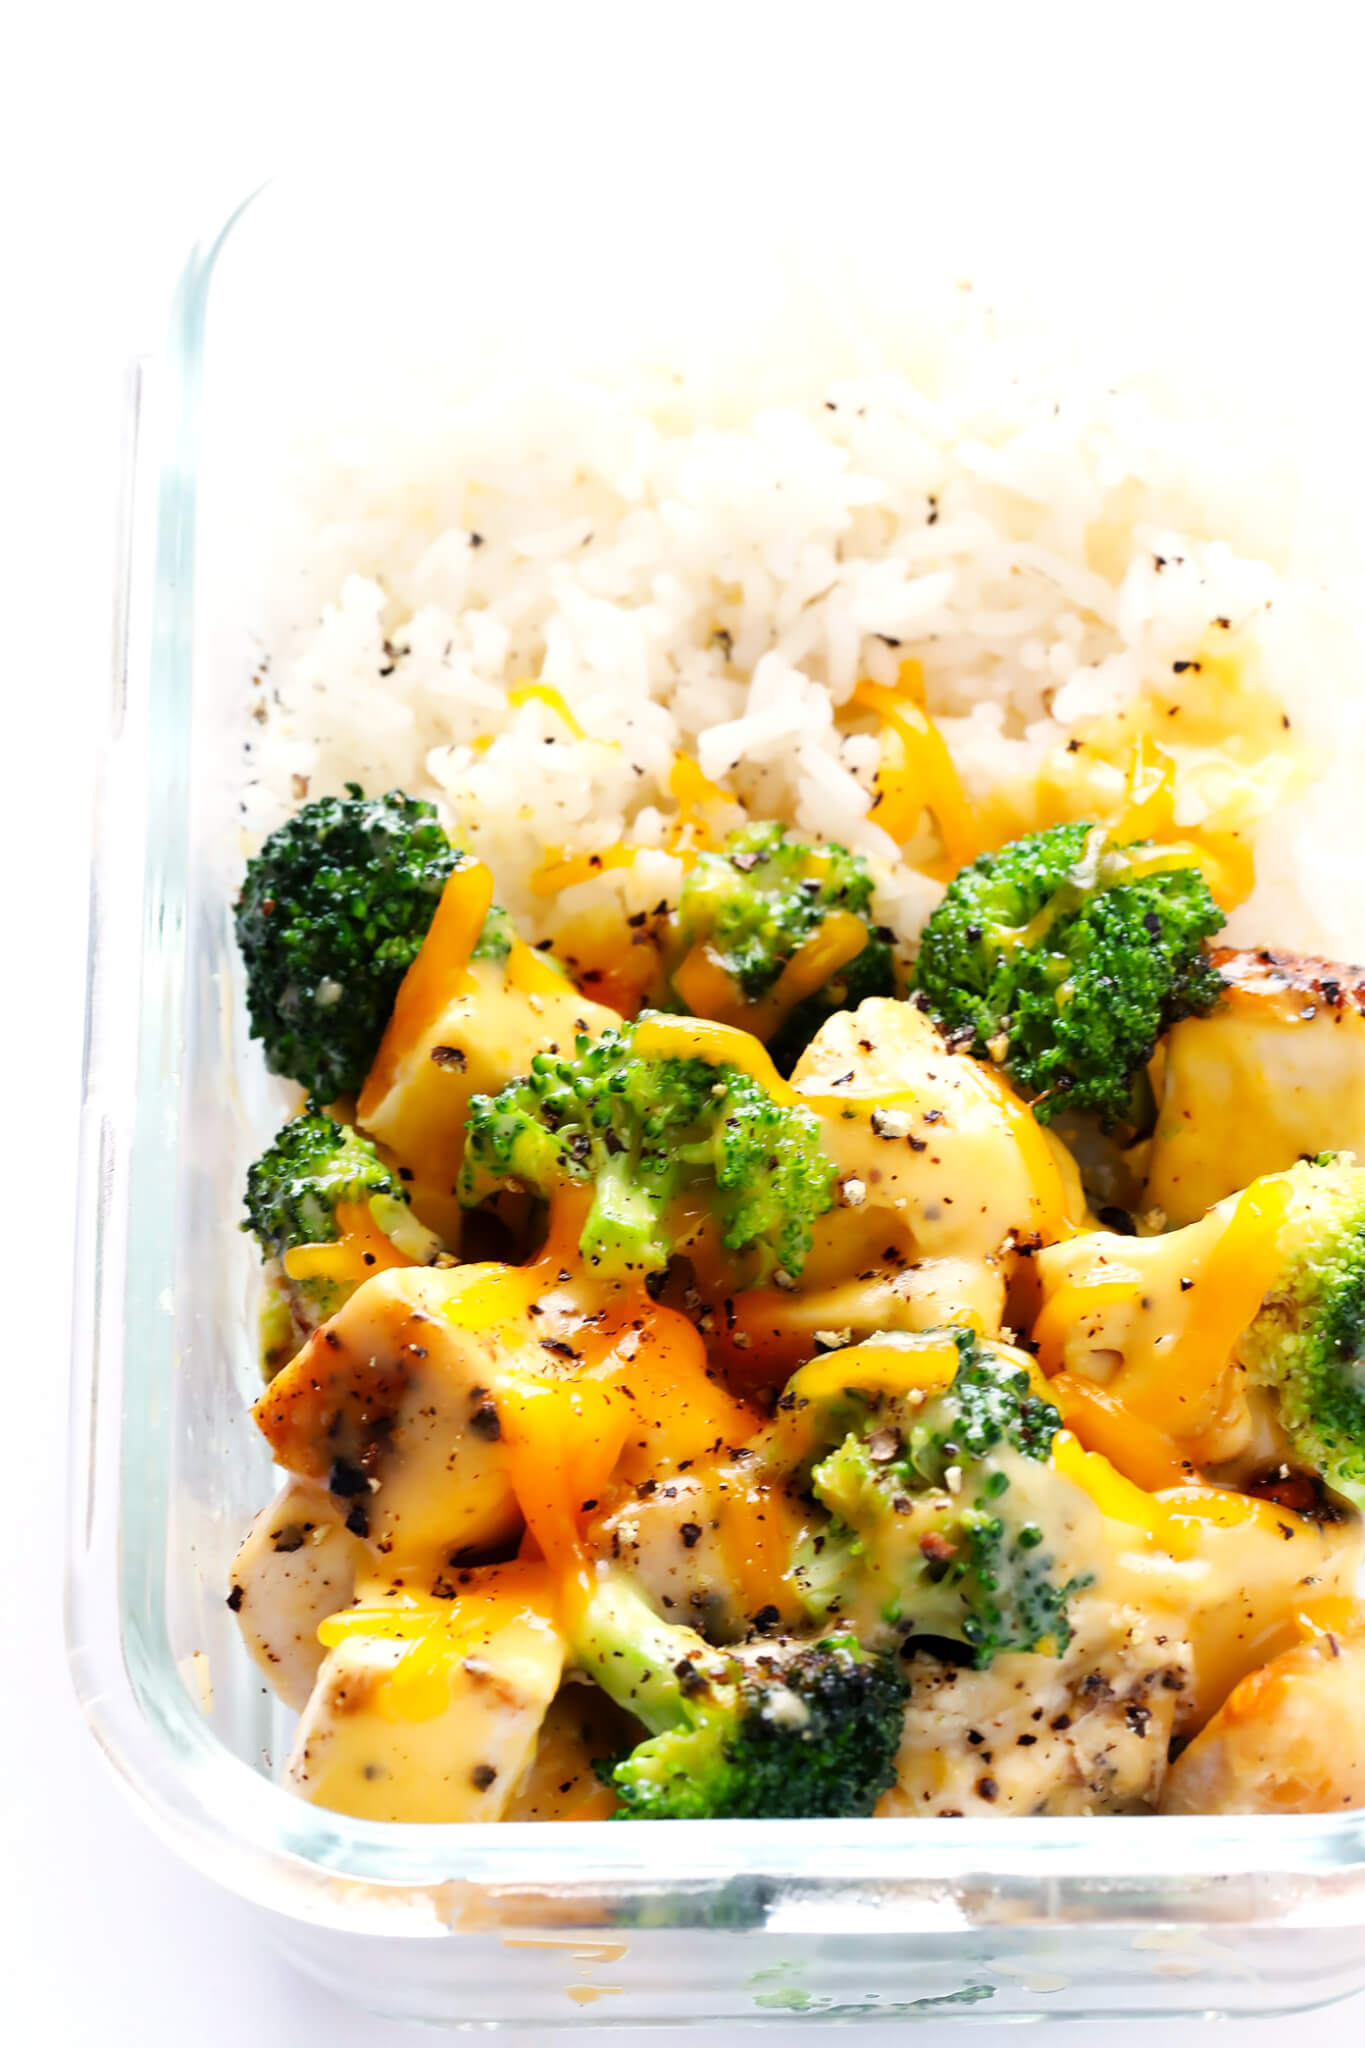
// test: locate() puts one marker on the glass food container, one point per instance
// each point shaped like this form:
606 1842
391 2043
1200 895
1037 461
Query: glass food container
322 298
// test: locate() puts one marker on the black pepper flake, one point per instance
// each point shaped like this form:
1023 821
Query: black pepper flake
484 1422
482 1776
987 1789
235 1598
691 1534
358 1520
449 1056
290 1537
346 1479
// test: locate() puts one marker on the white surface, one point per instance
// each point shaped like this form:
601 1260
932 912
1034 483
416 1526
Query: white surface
122 128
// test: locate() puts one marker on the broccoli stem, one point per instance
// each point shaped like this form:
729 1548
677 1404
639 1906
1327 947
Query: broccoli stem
658 1671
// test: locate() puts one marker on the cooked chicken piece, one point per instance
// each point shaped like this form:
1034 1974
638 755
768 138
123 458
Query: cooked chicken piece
1275 1073
479 1041
1087 1732
1253 1568
939 1159
298 1563
1129 1315
431 1713
391 1405
711 1547
582 1728
1289 1739
774 1332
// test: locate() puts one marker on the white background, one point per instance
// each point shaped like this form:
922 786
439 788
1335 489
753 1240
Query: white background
123 129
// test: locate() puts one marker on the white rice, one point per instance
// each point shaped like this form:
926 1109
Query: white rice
713 572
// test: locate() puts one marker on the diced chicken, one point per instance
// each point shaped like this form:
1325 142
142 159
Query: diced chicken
1275 1073
1289 1739
938 1159
298 1563
782 1330
437 1726
582 1728
1087 1732
710 1547
1252 1569
391 1406
1115 1311
481 1040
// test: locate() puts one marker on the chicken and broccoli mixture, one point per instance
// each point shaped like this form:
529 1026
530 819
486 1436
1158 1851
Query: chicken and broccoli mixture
820 1381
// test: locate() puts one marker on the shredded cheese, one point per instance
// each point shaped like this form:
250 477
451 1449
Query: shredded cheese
439 972
925 780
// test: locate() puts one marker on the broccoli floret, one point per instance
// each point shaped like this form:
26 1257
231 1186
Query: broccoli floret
293 1192
785 1729
1308 1341
642 1133
1060 959
331 915
754 903
943 1509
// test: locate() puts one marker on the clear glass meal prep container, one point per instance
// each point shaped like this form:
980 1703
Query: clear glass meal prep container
294 308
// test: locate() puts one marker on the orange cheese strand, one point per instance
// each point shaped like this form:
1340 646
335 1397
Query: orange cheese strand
926 779
709 990
1228 1291
724 1045
439 973
1225 858
1192 1508
360 1250
757 1536
1072 1301
1049 1190
440 1632
1332 1614
563 1438
1116 1495
1133 1447
531 973
689 833
683 1413
1149 798
565 871
543 693
923 1366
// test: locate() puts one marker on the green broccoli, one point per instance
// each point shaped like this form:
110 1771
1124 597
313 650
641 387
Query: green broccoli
757 900
292 1195
779 1729
1308 1341
644 1132
332 912
946 1511
1062 960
